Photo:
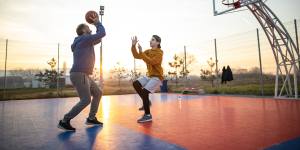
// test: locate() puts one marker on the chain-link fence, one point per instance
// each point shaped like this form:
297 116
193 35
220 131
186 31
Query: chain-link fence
24 65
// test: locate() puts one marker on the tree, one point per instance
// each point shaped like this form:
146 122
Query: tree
49 77
133 75
119 72
190 59
175 64
208 74
52 63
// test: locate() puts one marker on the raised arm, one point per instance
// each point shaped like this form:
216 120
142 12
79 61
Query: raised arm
134 52
96 38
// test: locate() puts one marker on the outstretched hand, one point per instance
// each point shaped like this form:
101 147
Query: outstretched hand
134 40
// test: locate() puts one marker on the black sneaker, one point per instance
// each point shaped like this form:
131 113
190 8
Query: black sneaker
93 122
142 108
65 126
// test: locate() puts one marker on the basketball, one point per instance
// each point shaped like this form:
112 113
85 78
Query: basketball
90 14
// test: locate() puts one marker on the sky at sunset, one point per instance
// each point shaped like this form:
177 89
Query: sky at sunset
34 27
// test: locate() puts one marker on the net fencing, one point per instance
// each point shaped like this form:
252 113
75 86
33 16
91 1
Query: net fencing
26 59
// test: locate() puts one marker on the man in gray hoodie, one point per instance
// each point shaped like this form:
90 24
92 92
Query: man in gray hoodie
83 65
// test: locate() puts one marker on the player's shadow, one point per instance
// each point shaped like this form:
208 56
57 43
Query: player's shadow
65 136
73 143
92 133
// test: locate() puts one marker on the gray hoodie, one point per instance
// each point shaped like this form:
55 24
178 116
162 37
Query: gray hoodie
83 50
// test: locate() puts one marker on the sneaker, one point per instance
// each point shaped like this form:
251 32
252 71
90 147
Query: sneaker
93 122
145 118
142 107
65 126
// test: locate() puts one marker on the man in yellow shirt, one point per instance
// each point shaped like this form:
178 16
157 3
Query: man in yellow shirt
148 84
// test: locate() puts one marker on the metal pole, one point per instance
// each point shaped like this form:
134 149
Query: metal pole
276 79
6 47
260 65
101 12
101 58
216 55
58 74
298 50
214 7
297 40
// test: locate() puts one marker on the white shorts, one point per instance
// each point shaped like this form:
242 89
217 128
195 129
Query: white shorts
150 83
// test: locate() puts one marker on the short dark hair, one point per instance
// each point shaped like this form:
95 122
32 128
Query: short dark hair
158 39
79 29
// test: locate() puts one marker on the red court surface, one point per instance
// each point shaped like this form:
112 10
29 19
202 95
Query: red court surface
179 122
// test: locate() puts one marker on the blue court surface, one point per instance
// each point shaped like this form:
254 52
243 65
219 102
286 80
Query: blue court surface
179 122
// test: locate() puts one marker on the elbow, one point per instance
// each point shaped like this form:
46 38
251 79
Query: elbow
104 33
136 57
101 33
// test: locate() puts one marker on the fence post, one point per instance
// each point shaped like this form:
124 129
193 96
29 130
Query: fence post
260 65
5 69
58 74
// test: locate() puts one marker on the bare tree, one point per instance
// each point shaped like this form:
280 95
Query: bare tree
208 74
49 77
190 59
175 64
119 72
133 75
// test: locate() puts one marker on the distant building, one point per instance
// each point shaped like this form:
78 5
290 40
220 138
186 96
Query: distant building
37 84
12 82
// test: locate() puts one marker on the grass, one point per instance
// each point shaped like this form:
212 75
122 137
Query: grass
250 89
238 87
112 88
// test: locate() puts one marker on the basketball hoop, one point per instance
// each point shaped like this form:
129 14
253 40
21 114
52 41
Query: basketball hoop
235 3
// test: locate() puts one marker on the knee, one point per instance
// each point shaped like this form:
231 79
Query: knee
136 84
97 93
85 102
